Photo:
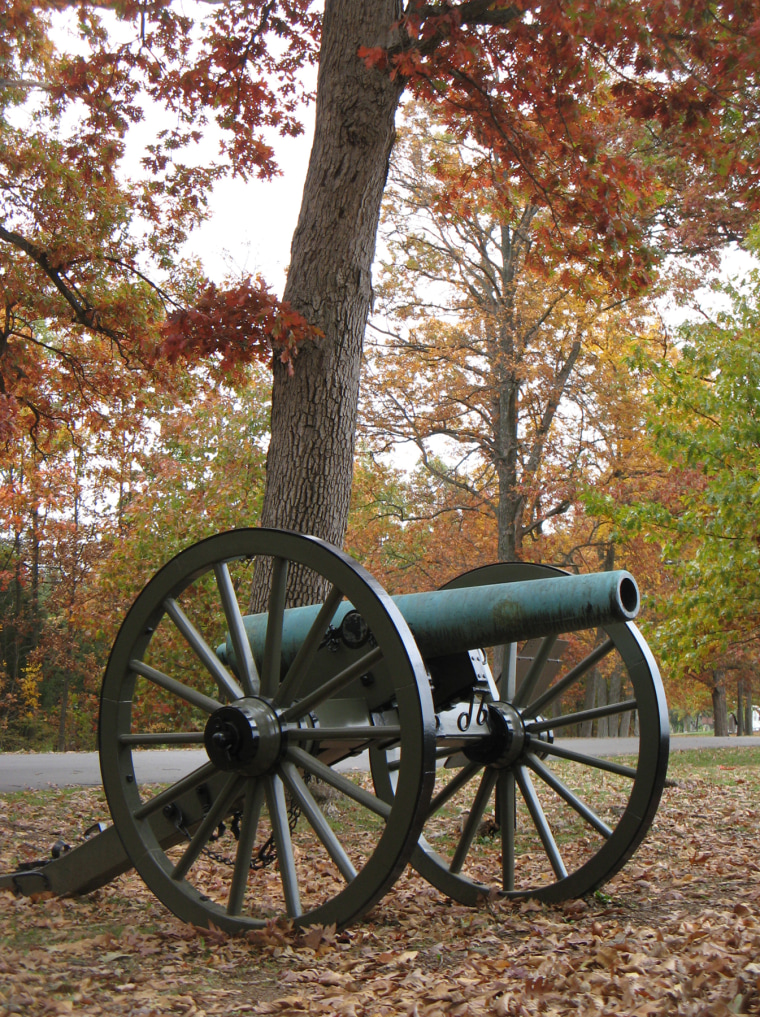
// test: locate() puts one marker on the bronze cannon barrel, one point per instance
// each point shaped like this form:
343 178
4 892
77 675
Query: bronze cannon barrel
451 621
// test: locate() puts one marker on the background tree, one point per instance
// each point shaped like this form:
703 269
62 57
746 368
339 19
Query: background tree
88 514
489 344
532 83
703 515
411 530
617 465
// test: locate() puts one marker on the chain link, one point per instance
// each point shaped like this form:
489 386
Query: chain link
267 852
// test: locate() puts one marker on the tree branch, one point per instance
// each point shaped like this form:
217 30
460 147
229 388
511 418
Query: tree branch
84 313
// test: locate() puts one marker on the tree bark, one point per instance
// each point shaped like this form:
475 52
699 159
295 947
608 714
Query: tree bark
510 501
720 711
62 716
614 723
586 727
509 343
310 458
748 706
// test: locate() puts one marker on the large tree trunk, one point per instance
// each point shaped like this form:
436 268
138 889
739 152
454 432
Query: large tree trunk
310 459
510 503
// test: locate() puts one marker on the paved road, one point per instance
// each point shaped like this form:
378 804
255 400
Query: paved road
59 769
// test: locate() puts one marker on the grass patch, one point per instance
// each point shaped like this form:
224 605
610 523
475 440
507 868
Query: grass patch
713 760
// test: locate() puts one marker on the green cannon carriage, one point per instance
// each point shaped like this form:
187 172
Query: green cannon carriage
340 741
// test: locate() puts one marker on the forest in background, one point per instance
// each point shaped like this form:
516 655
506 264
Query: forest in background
650 463
553 414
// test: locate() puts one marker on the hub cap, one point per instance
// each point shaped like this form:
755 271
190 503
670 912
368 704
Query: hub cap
244 736
506 740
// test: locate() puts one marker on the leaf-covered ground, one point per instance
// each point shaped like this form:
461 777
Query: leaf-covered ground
677 932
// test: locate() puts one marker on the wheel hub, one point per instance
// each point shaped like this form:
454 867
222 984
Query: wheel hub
505 741
535 739
245 736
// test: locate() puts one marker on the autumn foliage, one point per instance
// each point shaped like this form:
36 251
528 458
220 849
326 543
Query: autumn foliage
618 118
677 931
632 125
241 323
630 129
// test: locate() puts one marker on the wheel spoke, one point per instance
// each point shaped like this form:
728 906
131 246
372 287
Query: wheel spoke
508 681
278 815
336 780
477 809
552 749
569 679
227 684
317 820
166 797
243 654
254 799
331 687
270 670
529 682
569 796
162 738
540 822
208 825
506 805
195 698
303 659
577 718
458 781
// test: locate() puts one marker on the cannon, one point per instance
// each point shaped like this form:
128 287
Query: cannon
329 745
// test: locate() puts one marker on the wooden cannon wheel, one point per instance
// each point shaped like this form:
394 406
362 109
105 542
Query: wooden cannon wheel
273 730
519 814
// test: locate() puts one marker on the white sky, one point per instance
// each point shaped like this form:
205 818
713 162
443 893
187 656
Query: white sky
252 222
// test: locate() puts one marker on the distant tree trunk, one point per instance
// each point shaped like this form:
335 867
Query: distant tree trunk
311 452
18 619
740 715
720 711
602 698
748 708
625 725
586 728
509 507
62 716
34 589
614 722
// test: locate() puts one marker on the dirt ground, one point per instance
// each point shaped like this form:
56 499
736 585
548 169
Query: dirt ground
676 932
